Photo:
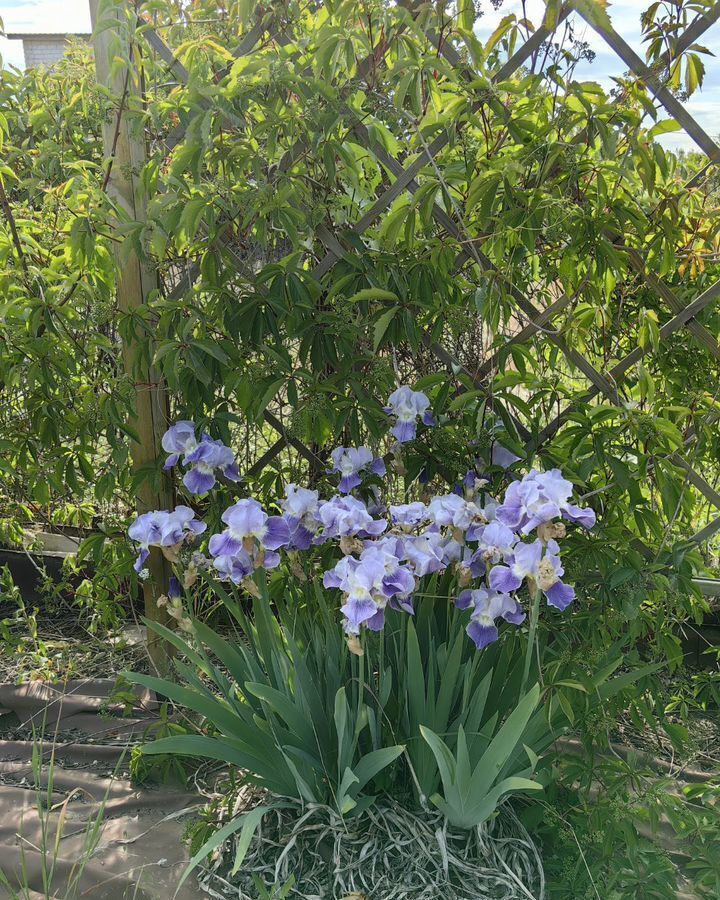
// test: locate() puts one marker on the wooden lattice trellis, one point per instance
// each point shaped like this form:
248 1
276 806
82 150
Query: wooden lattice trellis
536 320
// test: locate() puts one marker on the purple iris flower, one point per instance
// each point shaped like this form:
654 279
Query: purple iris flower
174 589
394 544
408 515
376 622
425 553
487 606
489 508
300 503
543 572
163 529
368 583
348 517
470 564
249 527
559 490
538 498
357 581
177 440
453 550
503 457
471 484
300 508
451 510
495 542
203 457
407 406
208 456
396 579
350 462
526 506
235 568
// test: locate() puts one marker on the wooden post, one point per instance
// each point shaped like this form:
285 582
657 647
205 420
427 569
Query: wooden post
125 154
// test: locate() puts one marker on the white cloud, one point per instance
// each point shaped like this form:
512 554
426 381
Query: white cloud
39 15
45 15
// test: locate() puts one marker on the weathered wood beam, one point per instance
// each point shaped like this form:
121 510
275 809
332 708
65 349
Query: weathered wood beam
125 154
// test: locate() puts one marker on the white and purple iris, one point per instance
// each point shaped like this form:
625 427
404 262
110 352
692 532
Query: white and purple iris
408 515
351 463
250 541
540 565
495 550
495 542
300 511
347 517
407 406
539 498
369 584
204 457
486 607
163 529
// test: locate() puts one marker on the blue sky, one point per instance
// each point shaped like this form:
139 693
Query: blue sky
73 15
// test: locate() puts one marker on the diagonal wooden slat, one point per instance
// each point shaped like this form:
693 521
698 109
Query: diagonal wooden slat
189 275
695 30
178 70
668 295
707 532
267 457
311 457
699 25
455 367
485 263
541 320
246 45
654 83
705 488
686 314
619 370
405 179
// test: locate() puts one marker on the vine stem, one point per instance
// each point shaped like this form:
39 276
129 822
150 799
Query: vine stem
534 616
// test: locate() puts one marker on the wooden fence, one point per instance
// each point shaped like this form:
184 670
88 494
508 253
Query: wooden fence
536 321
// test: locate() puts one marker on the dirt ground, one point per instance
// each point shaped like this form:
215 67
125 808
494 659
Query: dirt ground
69 814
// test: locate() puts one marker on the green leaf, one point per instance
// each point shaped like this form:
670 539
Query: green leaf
611 688
665 126
374 762
199 745
443 757
505 741
552 14
382 325
250 822
502 29
267 396
212 709
466 15
222 834
373 294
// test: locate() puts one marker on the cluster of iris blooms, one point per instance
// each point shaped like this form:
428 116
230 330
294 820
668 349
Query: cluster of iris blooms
495 548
